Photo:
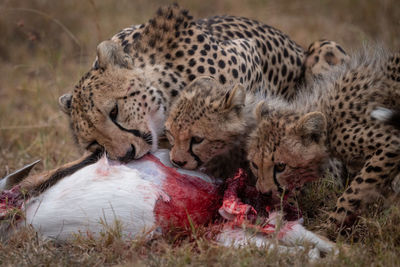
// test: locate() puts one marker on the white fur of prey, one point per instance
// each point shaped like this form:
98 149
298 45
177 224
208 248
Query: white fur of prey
101 194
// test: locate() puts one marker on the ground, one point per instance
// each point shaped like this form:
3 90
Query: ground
47 45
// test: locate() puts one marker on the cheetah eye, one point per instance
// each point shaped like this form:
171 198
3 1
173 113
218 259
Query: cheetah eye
114 113
254 165
280 167
196 140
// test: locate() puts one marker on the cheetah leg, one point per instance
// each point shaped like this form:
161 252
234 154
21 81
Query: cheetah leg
372 182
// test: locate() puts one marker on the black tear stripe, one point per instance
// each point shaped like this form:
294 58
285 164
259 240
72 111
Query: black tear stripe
280 189
199 162
147 137
63 172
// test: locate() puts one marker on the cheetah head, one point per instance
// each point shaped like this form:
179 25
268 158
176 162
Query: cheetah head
113 107
286 149
206 121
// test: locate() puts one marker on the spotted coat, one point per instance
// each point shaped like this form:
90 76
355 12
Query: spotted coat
122 102
207 133
348 115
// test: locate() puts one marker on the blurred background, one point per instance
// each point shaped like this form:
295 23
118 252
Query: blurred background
45 47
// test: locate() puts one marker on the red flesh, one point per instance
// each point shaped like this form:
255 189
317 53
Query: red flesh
12 199
192 200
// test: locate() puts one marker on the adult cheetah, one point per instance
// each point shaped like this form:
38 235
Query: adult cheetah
121 103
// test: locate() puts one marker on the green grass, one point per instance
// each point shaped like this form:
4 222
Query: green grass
47 45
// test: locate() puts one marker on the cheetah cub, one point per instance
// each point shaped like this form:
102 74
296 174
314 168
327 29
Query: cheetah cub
349 114
209 123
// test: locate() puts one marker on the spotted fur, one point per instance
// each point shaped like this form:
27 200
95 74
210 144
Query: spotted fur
122 102
322 57
207 123
223 132
292 141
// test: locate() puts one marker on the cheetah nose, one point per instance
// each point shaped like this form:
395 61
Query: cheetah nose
130 155
179 163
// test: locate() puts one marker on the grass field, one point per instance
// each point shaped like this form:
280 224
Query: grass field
45 47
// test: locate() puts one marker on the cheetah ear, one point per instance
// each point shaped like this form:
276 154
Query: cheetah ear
110 53
261 110
65 103
234 98
202 81
312 127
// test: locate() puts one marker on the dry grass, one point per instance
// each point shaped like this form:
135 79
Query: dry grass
47 45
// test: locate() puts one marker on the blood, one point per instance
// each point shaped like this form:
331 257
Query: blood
258 217
232 206
192 201
12 199
299 177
